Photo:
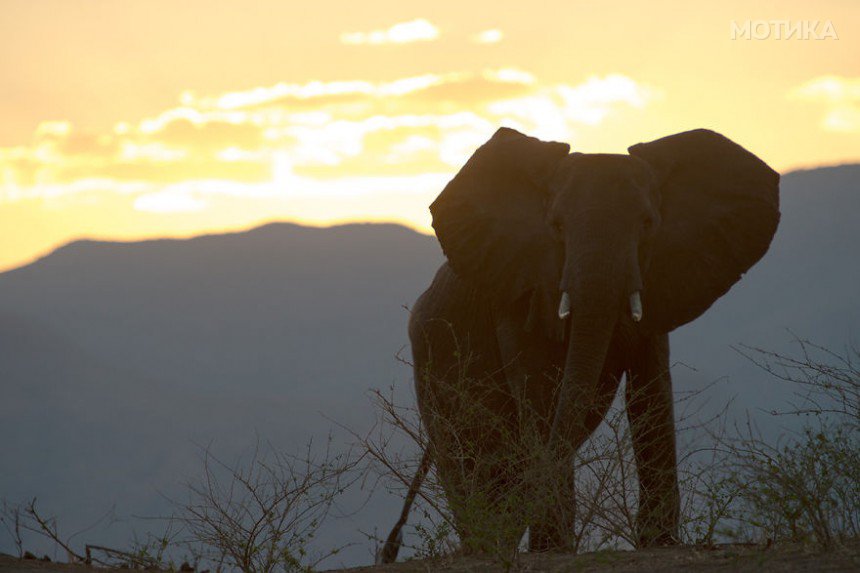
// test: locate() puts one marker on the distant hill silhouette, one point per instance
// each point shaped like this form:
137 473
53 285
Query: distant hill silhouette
117 358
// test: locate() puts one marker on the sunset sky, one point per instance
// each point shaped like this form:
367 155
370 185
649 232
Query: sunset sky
127 119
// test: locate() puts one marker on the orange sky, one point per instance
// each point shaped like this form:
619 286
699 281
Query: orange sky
127 119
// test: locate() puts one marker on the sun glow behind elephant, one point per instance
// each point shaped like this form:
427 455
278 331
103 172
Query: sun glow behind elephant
319 152
273 115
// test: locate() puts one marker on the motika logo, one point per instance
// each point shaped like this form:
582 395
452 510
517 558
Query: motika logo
783 30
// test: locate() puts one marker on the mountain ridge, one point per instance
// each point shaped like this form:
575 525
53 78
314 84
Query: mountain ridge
849 171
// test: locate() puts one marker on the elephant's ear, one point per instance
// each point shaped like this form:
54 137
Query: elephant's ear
719 211
490 218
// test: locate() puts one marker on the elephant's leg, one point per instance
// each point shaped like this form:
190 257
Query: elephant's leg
555 530
532 369
472 435
471 417
466 406
652 424
473 446
482 500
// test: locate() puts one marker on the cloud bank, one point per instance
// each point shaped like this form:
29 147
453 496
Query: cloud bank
308 140
840 97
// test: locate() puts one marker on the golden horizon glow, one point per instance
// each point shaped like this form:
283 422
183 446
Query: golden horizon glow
197 126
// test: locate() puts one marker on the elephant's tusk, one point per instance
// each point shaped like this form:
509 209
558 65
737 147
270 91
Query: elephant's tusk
636 306
564 306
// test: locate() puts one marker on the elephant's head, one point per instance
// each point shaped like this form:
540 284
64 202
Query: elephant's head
654 237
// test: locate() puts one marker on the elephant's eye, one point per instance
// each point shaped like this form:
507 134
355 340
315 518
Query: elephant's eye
648 224
558 228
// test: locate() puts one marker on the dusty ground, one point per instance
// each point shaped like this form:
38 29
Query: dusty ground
9 564
784 559
781 559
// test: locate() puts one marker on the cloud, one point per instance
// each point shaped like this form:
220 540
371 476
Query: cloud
311 193
53 128
551 112
509 76
308 138
418 30
168 202
840 96
313 93
205 133
592 100
491 36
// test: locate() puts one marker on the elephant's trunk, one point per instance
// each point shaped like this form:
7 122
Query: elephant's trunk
593 316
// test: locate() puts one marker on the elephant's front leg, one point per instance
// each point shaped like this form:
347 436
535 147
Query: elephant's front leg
652 424
532 367
554 529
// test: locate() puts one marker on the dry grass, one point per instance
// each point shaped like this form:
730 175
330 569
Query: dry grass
746 502
736 487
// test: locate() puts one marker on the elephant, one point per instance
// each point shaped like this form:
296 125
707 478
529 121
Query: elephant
565 273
